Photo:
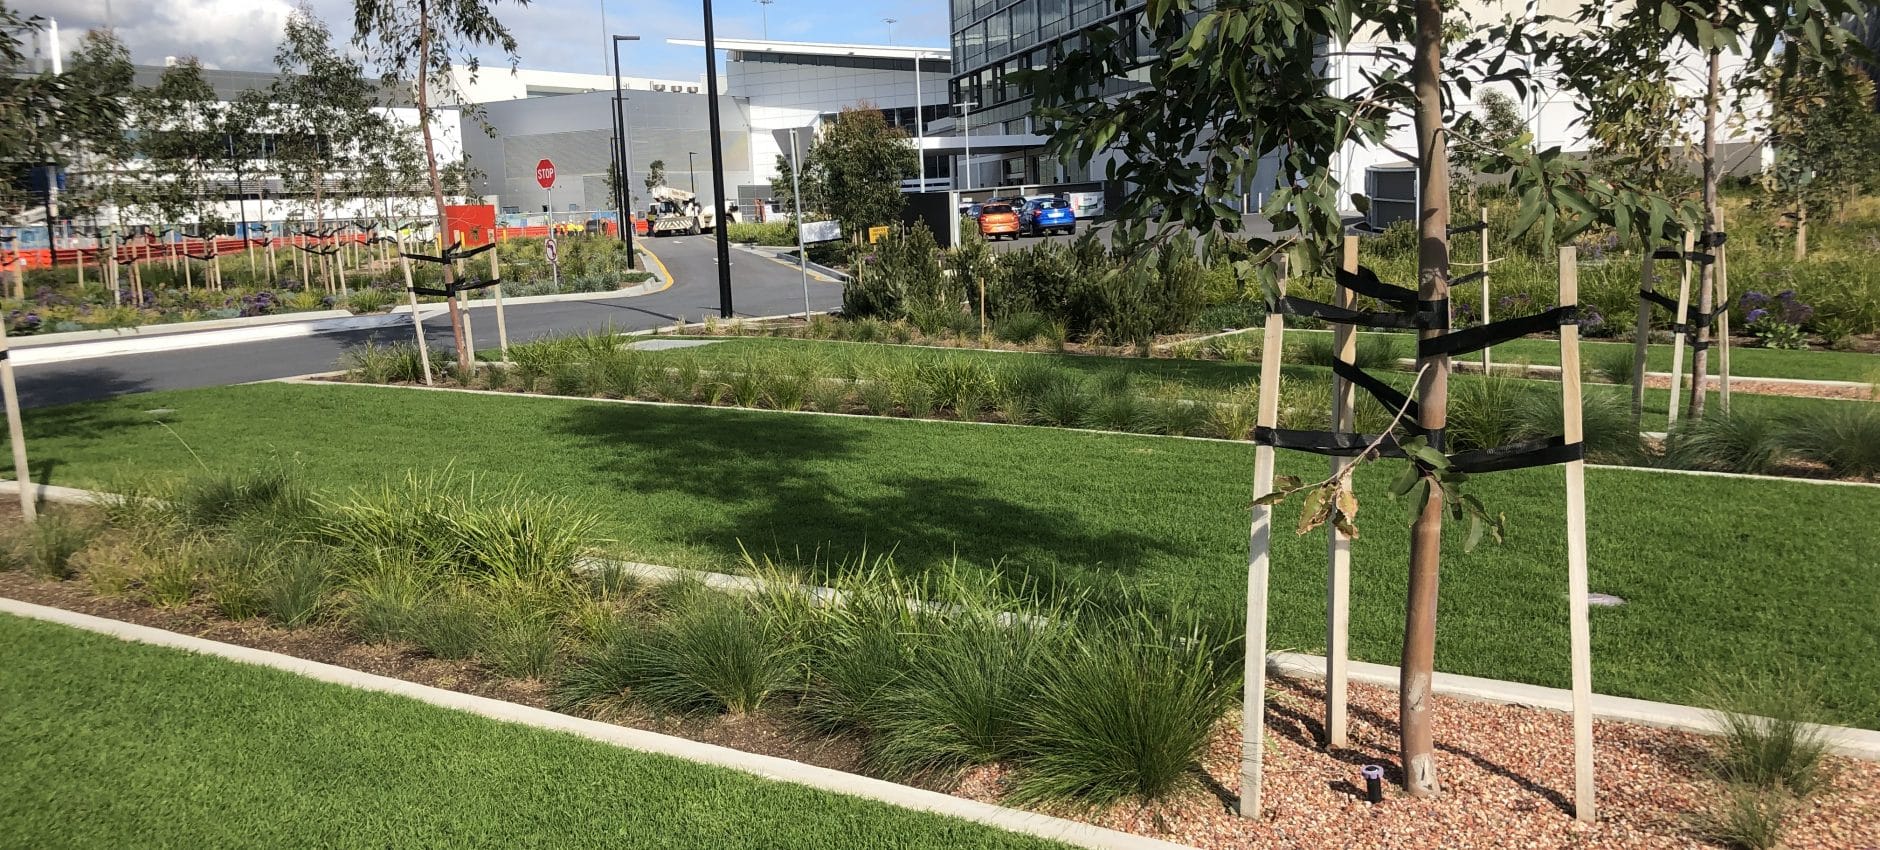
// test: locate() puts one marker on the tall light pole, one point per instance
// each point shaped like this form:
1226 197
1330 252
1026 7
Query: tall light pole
764 7
691 170
718 168
890 22
623 194
920 125
966 119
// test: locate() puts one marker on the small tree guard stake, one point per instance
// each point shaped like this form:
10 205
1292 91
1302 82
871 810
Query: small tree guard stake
1723 319
1580 632
1338 546
1642 332
1487 363
417 324
1680 330
467 357
16 431
502 323
1259 560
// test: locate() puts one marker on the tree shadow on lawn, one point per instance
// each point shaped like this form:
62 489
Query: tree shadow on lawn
776 484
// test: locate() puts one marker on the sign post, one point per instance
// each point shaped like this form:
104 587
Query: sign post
545 177
796 194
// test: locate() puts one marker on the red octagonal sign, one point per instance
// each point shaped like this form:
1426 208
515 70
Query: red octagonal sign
545 174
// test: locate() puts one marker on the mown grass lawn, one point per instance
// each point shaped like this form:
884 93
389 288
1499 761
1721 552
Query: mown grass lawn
1717 572
115 744
1213 374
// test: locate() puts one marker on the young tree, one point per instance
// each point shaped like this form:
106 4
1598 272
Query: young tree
180 126
29 105
1826 138
857 165
92 120
655 174
783 186
322 106
417 42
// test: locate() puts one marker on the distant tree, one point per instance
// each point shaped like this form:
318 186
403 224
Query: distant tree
98 87
179 124
857 165
417 42
655 174
29 101
1496 124
1826 139
322 104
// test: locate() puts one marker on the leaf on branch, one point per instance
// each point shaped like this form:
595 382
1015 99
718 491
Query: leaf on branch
1316 510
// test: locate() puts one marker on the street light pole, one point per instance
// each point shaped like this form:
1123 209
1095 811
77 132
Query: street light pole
920 125
691 170
764 6
890 22
966 118
623 196
719 212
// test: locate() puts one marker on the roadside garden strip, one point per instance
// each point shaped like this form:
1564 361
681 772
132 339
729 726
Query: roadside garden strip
1847 741
738 812
1105 513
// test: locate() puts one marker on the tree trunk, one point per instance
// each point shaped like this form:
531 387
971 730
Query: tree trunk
1416 719
1801 232
1713 222
464 356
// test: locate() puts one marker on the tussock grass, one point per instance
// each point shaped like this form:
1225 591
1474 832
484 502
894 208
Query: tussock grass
1845 438
47 546
1767 739
1747 818
1738 441
710 654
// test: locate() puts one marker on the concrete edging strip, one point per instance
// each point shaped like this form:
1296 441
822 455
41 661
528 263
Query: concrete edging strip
765 767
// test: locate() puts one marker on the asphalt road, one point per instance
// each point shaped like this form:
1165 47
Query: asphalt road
759 286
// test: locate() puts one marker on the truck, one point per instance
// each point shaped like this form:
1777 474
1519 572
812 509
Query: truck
675 211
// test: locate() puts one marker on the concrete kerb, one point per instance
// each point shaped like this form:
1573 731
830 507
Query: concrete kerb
1843 740
765 767
147 343
70 337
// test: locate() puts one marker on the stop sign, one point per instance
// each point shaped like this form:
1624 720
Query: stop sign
545 174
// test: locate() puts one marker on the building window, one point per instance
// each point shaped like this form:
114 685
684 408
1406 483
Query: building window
999 36
1052 15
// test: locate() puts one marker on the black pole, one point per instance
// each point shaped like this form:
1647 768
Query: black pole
691 168
52 247
624 199
718 168
241 190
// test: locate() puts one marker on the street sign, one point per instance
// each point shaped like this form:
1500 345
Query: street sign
545 174
549 246
821 231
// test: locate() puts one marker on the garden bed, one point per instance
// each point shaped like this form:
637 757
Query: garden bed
1506 769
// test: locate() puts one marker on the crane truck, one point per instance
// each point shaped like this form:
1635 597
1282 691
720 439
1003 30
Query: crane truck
676 211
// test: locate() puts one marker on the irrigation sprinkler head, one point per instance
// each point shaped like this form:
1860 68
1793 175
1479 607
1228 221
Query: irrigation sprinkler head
1373 783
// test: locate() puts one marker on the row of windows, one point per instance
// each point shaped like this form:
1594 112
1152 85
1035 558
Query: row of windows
863 63
990 86
904 116
1024 24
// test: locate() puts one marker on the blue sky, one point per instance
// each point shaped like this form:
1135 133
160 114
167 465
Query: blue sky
558 35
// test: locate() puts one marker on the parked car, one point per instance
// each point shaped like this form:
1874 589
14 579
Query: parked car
1047 215
971 210
998 220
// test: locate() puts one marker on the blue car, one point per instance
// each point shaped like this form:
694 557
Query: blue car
1047 215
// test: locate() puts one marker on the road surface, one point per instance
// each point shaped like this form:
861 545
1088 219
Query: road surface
760 287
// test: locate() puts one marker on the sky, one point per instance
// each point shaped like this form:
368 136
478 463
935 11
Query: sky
552 35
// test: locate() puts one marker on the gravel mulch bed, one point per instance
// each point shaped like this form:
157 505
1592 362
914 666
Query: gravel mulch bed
1507 771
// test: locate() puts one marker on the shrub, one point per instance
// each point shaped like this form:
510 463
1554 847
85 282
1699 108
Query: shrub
786 389
961 700
1747 819
868 644
1178 417
776 234
831 395
232 579
1373 352
1482 412
1607 429
904 281
1738 441
877 396
369 300
374 363
46 546
1021 328
1845 438
712 653
520 639
1767 739
294 587
1115 411
960 383
169 580
1120 715
1063 403
1229 419
449 625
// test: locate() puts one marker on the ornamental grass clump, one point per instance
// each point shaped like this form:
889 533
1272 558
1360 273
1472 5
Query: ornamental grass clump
709 654
374 363
1844 438
1124 711
46 547
1740 440
295 587
273 496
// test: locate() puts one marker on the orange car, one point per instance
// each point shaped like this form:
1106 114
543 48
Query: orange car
998 220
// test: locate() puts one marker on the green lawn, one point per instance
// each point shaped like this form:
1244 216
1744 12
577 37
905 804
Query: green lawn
1744 362
1211 374
115 744
1717 571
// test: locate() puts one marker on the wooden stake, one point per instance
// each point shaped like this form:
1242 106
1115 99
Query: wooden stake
1259 561
1487 361
417 324
1723 321
1677 337
16 431
1338 562
1580 631
80 254
1642 331
189 278
502 324
19 277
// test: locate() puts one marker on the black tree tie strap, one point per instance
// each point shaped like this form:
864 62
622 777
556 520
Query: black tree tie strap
1330 443
1295 306
1710 239
452 289
1386 395
1659 299
1460 229
1469 278
1543 452
1493 333
1365 282
452 254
